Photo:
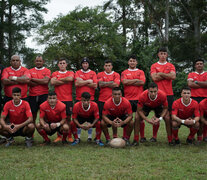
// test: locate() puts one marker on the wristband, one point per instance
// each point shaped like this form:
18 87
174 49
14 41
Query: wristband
14 78
194 121
161 118
58 124
183 121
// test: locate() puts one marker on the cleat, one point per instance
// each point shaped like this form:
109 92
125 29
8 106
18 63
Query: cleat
98 142
89 139
70 139
48 142
108 141
127 141
189 141
28 142
177 142
143 140
75 142
58 139
64 142
2 140
9 141
153 139
205 139
171 143
135 143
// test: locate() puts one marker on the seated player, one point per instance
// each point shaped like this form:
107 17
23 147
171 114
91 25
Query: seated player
52 119
85 116
203 111
156 100
117 112
19 121
185 111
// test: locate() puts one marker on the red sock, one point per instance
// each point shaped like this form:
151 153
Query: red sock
44 135
136 137
175 133
169 138
155 130
69 133
64 136
74 129
199 138
98 130
204 130
115 136
193 131
124 131
142 126
107 136
59 135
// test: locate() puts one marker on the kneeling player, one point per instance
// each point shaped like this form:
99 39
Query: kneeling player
117 112
52 118
85 116
203 111
185 111
156 100
20 121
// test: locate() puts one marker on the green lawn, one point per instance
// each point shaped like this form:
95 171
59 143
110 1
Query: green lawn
88 161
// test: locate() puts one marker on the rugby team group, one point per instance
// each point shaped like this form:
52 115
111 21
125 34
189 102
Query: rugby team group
58 114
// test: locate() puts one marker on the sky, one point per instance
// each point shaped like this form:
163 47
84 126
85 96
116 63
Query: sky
56 7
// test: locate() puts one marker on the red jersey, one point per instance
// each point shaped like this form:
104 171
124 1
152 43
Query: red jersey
92 110
39 74
160 100
165 84
123 108
195 76
64 92
132 92
21 71
185 111
18 114
106 92
53 115
85 75
203 107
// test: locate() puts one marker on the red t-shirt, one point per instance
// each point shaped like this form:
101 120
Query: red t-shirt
106 92
64 92
165 84
203 107
195 76
185 111
85 75
9 71
53 115
132 92
17 113
39 74
92 110
160 100
123 108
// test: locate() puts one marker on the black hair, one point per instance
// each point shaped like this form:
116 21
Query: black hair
16 90
133 56
52 93
152 85
86 95
116 89
186 88
107 61
198 59
162 49
62 59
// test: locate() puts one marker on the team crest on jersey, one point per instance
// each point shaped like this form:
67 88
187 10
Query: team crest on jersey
12 110
180 109
47 110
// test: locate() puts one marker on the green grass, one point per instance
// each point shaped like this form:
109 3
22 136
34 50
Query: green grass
88 161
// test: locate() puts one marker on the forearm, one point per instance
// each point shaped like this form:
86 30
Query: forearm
23 80
196 119
56 82
107 120
62 122
28 121
76 122
92 85
136 82
142 115
192 84
105 84
41 81
168 76
8 82
67 79
94 122
175 118
165 109
42 122
129 118
202 84
156 77
81 83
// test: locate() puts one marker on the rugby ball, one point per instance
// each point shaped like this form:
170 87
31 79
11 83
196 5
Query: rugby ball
117 143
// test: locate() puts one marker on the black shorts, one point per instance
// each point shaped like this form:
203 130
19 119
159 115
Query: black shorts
198 99
170 100
158 110
35 101
18 133
100 107
53 131
133 105
113 117
82 120
69 107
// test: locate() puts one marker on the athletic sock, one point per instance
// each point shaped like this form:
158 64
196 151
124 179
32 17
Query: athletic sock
193 131
175 133
64 136
115 135
79 132
199 138
98 130
169 138
155 130
204 130
70 133
142 126
107 136
44 135
90 133
74 129
59 135
136 138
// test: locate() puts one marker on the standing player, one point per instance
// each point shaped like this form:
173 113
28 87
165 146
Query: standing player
63 82
162 73
197 81
156 100
107 80
185 111
85 81
38 85
133 80
52 118
19 117
203 111
86 116
117 112
15 76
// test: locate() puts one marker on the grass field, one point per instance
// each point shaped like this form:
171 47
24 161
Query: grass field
88 161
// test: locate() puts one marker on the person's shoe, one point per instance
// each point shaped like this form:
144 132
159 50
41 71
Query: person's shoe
153 139
127 141
48 142
143 140
205 139
58 139
2 140
70 139
98 142
89 139
171 143
107 141
28 142
75 142
135 143
64 142
177 141
189 141
9 141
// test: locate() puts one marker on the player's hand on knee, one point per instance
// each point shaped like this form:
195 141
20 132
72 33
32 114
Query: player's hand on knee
53 125
46 127
15 128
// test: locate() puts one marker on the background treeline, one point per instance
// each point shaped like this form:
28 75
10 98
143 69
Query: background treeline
113 31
